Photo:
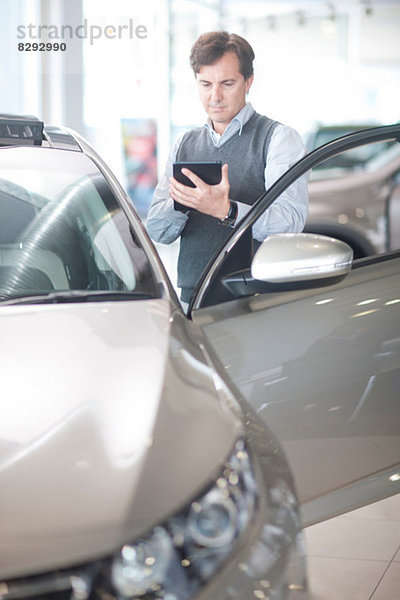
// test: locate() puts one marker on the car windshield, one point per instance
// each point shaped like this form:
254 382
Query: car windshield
63 234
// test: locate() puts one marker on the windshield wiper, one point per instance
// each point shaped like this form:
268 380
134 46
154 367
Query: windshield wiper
67 296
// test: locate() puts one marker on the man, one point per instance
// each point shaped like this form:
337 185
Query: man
254 150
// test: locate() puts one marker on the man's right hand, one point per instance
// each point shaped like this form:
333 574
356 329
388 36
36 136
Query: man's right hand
210 200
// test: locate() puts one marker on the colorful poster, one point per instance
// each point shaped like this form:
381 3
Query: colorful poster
140 152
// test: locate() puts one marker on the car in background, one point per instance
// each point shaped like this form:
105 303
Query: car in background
147 453
349 161
359 206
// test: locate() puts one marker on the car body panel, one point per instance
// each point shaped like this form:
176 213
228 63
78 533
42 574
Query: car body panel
79 424
326 379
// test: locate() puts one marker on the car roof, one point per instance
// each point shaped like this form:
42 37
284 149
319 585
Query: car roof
28 130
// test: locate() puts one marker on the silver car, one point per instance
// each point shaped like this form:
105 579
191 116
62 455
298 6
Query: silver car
355 197
141 448
130 465
352 160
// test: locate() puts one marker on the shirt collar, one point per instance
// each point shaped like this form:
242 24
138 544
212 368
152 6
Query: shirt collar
238 121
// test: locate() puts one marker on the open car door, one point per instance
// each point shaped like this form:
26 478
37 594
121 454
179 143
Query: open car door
312 340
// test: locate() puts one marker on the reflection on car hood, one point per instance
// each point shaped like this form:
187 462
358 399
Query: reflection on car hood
83 430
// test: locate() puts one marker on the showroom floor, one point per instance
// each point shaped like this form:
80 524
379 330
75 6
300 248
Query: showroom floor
357 556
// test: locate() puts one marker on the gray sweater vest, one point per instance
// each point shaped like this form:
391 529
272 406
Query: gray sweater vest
246 156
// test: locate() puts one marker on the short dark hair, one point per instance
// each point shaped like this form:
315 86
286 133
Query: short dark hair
210 47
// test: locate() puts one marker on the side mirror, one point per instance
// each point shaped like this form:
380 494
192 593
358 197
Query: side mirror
291 257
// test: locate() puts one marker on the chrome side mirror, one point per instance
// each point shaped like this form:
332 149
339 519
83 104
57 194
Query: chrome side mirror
291 257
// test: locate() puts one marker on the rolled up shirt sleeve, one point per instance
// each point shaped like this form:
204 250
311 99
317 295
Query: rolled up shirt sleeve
289 212
164 224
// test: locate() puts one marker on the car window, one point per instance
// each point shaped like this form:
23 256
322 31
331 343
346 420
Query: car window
355 208
62 229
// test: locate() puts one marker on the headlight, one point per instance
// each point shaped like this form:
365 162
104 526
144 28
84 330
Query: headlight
175 558
178 557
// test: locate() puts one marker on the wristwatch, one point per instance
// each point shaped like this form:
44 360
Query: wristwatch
230 218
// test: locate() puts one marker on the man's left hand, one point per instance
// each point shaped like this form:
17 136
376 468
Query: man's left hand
211 200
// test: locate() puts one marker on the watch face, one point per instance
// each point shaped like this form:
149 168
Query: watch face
227 222
231 217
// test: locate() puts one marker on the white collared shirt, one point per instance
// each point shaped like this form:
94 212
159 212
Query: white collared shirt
287 214
236 125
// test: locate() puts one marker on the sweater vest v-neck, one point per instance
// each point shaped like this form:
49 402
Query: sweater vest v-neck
246 155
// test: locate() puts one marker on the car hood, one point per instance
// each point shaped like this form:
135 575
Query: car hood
109 421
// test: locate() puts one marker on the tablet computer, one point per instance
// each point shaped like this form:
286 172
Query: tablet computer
209 171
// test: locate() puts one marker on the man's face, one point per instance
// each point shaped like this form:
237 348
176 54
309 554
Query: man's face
222 89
